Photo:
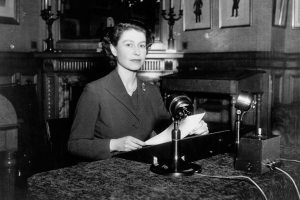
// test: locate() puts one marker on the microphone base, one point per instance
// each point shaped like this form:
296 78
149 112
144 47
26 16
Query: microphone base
183 169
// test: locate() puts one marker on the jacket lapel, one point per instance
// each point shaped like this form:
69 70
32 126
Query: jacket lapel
116 88
142 100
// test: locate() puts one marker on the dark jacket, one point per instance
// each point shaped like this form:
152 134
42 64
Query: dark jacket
105 111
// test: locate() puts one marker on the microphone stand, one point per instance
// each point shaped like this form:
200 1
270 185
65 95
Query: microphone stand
177 166
238 122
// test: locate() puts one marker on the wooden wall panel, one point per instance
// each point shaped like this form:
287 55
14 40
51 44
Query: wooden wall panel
294 88
12 62
277 88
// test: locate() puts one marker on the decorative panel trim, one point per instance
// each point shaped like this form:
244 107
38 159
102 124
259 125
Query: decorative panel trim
50 94
277 88
240 60
69 65
294 88
153 65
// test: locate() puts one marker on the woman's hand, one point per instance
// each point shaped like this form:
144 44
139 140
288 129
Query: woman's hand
200 129
127 143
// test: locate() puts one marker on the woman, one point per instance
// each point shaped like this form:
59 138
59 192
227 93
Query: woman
119 111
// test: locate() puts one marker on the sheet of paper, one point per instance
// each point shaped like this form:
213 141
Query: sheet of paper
185 126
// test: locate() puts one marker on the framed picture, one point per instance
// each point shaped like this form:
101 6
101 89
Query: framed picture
296 14
280 13
235 13
197 14
9 11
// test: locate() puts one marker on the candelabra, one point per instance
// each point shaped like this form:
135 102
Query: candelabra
171 18
49 18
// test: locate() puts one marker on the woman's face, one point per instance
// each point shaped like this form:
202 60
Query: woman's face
131 50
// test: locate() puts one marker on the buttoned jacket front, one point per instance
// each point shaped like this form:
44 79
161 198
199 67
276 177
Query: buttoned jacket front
105 111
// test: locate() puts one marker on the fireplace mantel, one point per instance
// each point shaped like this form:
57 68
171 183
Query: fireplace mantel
60 71
281 79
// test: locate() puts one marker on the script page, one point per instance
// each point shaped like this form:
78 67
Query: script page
186 126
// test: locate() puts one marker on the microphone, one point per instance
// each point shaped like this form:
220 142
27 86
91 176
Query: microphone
179 105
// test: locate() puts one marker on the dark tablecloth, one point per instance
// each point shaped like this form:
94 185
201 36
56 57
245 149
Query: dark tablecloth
117 178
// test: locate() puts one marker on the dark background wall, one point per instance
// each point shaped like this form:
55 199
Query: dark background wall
260 36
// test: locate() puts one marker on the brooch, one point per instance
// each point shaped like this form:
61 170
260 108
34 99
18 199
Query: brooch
143 87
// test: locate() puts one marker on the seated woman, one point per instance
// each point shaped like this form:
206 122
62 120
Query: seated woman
119 111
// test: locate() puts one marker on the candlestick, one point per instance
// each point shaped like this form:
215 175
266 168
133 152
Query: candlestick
49 18
171 21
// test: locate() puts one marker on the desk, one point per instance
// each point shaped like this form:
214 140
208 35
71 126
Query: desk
222 82
117 178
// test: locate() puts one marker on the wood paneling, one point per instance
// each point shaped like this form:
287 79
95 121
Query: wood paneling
280 83
12 62
60 72
283 70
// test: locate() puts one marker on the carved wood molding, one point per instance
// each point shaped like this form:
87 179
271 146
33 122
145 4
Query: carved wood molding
239 60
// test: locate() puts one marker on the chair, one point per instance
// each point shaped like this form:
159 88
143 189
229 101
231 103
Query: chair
58 131
75 93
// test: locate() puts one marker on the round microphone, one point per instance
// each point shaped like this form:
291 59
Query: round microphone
179 106
245 101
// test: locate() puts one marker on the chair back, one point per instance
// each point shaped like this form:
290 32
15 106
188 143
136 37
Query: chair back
58 131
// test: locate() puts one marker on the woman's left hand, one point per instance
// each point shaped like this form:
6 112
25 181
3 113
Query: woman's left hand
200 129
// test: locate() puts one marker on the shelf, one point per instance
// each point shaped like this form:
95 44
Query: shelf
9 127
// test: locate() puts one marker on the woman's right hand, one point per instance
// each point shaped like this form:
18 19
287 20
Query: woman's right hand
127 143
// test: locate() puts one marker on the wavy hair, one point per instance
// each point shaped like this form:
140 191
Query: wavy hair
113 34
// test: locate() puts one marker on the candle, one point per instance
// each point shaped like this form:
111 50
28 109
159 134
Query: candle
181 4
58 5
46 4
43 5
163 5
172 3
49 2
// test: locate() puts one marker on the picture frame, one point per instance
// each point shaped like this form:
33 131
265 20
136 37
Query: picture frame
235 13
9 12
197 14
296 14
280 13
